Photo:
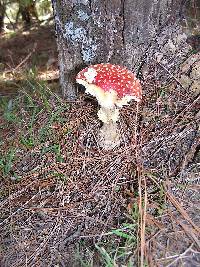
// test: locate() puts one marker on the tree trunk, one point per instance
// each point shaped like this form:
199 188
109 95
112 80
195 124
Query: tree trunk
133 33
27 10
2 15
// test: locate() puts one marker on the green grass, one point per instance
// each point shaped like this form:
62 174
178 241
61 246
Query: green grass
29 119
54 148
6 161
8 108
116 247
121 242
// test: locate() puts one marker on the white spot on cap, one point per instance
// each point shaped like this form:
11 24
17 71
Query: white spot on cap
90 75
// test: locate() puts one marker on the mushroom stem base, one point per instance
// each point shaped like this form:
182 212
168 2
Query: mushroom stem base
109 136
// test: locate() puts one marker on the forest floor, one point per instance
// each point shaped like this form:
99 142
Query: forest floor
27 55
67 202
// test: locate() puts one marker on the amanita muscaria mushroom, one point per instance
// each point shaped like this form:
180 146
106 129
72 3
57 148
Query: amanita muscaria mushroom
113 86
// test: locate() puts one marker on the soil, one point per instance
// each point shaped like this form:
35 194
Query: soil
61 205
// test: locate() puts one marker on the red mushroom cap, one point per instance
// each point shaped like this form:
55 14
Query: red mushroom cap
112 77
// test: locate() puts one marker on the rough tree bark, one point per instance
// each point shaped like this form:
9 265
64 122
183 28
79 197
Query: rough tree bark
2 15
127 32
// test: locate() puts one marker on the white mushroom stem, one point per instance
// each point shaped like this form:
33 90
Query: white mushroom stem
107 115
109 136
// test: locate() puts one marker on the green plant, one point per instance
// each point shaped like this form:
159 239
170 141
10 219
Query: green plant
28 142
35 102
9 111
135 214
108 261
120 246
55 148
126 232
6 161
84 255
28 139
